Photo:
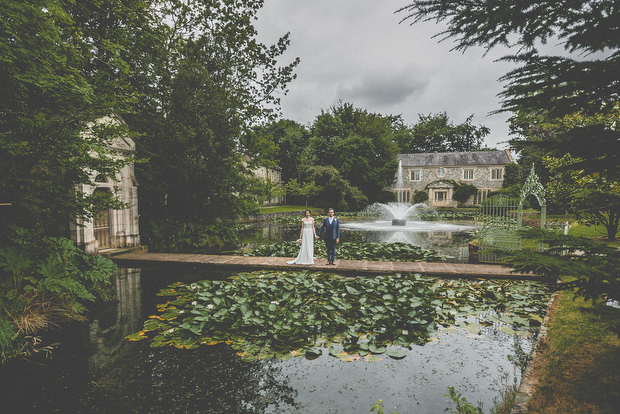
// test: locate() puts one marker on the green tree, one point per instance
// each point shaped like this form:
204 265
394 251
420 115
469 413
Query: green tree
594 200
304 190
335 191
359 145
581 79
61 70
204 81
436 133
291 138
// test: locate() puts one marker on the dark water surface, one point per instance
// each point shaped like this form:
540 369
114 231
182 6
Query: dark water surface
95 370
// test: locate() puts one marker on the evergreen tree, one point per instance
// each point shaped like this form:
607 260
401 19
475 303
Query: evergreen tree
581 79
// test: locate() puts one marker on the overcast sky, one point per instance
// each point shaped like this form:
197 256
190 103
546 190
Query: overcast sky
356 51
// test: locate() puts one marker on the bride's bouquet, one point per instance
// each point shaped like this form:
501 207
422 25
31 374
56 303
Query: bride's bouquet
299 242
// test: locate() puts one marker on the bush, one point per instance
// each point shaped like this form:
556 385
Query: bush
45 283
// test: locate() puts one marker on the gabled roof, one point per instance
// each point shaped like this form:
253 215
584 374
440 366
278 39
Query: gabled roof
435 159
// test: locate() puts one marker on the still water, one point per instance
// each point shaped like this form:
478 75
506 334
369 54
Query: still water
95 370
449 239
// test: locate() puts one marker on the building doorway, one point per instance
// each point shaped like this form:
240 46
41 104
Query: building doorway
101 225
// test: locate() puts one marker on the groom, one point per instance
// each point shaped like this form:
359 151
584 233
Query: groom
331 225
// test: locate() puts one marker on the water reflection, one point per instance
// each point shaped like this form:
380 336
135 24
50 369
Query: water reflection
96 371
108 330
450 240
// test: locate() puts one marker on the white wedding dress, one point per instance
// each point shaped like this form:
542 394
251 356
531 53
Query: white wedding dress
306 252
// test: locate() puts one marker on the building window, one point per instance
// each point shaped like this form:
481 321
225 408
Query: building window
441 196
415 175
497 173
482 195
441 172
468 174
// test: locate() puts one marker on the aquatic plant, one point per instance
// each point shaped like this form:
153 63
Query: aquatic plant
299 314
394 252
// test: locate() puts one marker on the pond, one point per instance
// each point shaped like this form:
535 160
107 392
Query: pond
96 369
449 239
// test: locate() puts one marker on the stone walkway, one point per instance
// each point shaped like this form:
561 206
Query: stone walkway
344 267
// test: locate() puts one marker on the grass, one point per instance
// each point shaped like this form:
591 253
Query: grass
581 373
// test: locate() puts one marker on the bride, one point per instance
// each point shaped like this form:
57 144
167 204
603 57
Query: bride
307 237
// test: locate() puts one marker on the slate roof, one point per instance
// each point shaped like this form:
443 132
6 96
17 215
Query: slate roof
435 159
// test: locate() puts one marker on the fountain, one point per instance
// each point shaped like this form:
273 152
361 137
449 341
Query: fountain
401 217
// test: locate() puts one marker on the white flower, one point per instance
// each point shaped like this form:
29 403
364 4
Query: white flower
209 306
170 330
277 303
344 294
181 311
194 303
405 332
362 308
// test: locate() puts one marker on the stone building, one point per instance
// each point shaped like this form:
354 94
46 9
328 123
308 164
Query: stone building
269 174
112 228
437 174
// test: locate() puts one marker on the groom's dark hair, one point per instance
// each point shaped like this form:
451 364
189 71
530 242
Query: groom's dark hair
331 209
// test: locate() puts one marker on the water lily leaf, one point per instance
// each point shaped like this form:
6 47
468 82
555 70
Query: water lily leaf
334 351
284 356
372 358
313 353
396 353
136 337
507 330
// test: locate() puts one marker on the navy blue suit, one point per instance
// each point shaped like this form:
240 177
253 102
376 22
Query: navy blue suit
332 232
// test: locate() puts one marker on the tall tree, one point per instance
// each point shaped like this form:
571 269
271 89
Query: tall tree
581 79
436 133
359 144
291 139
61 69
205 82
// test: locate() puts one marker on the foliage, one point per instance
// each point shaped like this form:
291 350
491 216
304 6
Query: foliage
450 215
394 252
379 407
335 191
462 406
594 199
303 190
580 80
203 87
581 359
43 284
356 143
291 139
436 133
62 69
462 192
297 314
590 267
176 236
420 197
594 207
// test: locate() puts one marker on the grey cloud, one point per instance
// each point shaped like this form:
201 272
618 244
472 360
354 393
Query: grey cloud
387 90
